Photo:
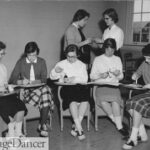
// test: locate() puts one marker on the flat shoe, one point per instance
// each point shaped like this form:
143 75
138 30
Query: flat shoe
129 145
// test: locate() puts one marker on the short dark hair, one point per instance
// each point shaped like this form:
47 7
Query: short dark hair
31 47
72 48
146 50
2 45
109 43
80 14
111 12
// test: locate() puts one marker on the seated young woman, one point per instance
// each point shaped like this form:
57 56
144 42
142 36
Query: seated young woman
12 109
139 106
31 69
108 68
72 70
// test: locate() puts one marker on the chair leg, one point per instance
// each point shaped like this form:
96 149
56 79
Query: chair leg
24 126
50 120
61 121
88 119
96 121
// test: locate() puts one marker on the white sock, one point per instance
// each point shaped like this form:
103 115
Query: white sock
118 122
134 134
80 118
18 128
112 117
78 125
142 131
11 129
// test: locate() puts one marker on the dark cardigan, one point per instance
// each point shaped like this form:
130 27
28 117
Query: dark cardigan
22 70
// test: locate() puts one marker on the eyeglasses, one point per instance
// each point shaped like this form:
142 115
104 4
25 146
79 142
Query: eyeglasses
106 18
31 55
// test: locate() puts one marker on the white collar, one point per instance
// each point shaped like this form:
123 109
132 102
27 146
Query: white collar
74 24
27 60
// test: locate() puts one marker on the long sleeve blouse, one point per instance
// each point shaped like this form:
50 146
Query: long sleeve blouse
104 64
116 33
76 69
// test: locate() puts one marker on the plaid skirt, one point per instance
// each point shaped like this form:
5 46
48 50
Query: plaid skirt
39 97
140 103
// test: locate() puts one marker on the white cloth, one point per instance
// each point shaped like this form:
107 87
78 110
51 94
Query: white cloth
3 76
116 33
32 74
77 69
104 64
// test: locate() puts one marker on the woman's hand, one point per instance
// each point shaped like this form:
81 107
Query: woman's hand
104 75
25 81
147 86
115 72
88 41
58 69
35 82
69 79
97 40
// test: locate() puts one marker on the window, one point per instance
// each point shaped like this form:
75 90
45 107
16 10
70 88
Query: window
141 21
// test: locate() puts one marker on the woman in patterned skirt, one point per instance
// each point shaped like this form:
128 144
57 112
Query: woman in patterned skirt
31 69
139 105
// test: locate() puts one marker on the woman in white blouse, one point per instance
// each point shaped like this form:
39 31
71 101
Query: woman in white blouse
72 70
112 31
108 68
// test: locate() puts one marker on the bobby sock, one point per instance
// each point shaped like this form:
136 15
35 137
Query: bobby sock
134 134
78 125
142 131
118 122
18 128
11 129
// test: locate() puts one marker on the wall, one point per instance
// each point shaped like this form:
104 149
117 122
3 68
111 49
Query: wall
43 22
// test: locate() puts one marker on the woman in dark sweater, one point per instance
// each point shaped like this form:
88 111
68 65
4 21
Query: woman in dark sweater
32 69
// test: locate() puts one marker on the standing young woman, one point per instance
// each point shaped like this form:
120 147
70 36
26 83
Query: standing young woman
112 31
74 35
12 109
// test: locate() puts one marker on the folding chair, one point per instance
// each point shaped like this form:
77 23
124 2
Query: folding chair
65 113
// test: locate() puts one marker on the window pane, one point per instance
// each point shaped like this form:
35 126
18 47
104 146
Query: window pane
145 34
136 17
146 17
136 33
146 6
137 5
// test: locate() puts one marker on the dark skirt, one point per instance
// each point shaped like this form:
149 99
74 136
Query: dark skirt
140 103
78 93
9 106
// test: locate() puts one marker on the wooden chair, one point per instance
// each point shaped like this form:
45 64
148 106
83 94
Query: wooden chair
98 110
129 65
34 113
65 113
